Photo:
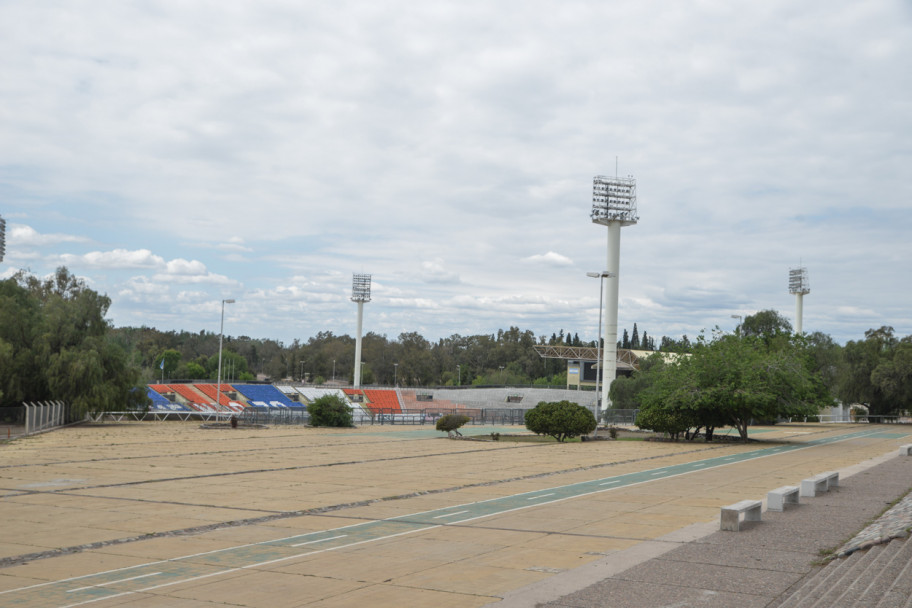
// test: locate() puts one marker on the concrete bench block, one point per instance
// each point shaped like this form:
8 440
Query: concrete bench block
731 515
905 450
832 478
778 498
819 483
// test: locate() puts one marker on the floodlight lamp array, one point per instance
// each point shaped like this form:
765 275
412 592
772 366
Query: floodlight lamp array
361 288
2 238
614 200
798 281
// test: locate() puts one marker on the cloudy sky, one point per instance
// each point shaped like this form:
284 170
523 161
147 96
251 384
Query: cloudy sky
175 153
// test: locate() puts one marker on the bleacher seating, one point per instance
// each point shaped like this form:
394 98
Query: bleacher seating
209 391
312 393
410 402
161 404
382 400
264 395
194 398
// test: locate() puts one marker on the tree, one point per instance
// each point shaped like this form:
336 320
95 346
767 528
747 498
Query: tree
625 391
59 348
171 359
560 419
330 410
195 371
766 324
731 380
877 371
451 423
635 338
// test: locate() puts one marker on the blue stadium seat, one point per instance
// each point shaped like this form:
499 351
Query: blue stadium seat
265 395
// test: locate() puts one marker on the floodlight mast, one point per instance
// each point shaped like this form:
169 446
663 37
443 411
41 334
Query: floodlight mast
361 293
800 286
2 237
613 206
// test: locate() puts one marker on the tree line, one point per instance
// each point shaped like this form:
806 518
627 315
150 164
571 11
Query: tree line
764 372
55 343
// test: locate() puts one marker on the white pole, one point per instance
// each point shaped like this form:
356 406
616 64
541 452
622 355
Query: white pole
799 311
598 346
218 378
357 382
609 354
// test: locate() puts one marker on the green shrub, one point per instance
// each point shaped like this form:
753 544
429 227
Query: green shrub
560 419
330 410
451 423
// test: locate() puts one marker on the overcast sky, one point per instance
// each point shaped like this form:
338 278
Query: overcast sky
177 153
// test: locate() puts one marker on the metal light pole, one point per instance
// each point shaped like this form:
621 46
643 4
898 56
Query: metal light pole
598 370
334 370
395 374
218 385
740 320
302 372
459 372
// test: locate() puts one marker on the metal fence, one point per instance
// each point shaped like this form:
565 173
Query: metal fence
46 415
615 416
274 416
477 417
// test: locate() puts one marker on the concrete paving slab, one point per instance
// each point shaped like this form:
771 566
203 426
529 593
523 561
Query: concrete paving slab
272 470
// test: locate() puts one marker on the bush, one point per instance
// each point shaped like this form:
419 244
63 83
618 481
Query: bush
560 419
330 410
451 422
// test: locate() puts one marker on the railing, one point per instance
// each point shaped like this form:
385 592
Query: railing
617 416
44 416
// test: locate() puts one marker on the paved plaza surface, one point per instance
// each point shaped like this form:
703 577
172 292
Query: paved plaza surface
171 514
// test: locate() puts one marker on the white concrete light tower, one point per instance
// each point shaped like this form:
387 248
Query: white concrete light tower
613 205
361 293
800 286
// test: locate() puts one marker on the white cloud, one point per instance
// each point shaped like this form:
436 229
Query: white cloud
266 153
115 259
434 271
551 258
20 235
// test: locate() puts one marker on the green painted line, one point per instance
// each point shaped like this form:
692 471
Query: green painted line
85 590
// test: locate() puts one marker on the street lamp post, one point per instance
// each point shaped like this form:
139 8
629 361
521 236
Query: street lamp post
218 380
598 370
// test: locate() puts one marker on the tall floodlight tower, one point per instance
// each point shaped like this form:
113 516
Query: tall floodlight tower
361 293
800 286
613 205
2 238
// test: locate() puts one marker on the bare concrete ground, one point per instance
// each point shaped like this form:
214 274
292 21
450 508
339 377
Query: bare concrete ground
86 499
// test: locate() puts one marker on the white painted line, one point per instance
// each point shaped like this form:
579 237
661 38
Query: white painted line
608 483
451 514
757 454
658 473
322 540
123 580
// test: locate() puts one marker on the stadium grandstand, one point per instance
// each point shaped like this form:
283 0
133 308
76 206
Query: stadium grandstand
369 405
